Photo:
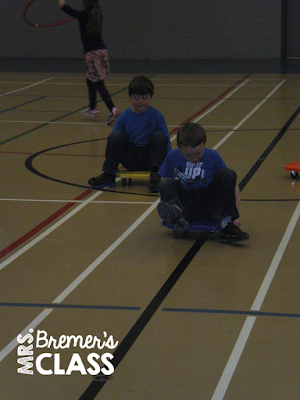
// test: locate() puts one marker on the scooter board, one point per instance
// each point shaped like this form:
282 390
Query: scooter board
125 174
209 225
294 167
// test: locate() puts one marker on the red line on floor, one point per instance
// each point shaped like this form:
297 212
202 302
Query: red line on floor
43 224
214 101
50 219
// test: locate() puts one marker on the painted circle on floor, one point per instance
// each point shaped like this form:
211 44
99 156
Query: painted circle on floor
31 168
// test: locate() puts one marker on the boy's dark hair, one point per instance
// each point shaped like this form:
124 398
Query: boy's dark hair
191 135
141 85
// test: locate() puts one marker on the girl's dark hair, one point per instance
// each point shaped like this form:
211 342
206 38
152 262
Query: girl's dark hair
94 16
141 85
191 135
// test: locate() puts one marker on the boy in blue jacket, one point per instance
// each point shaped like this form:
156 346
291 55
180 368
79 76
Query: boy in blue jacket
196 184
139 140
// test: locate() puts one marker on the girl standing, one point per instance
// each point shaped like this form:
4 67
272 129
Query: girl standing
96 58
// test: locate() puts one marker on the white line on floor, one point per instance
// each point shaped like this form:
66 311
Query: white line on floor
78 201
241 342
249 115
26 87
95 264
47 231
7 349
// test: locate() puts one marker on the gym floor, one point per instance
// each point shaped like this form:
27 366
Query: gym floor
183 318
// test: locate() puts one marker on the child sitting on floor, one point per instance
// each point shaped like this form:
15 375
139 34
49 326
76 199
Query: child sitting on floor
139 139
196 184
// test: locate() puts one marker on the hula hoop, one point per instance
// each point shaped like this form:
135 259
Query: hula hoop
45 25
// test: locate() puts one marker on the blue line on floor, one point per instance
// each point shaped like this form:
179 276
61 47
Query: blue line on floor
74 306
235 312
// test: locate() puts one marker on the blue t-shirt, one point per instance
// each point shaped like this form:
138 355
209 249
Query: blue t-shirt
192 176
138 127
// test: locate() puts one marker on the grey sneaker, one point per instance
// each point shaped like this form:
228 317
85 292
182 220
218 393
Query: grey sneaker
172 215
90 113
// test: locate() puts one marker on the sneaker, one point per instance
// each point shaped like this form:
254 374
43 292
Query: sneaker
112 116
172 215
232 234
153 186
103 180
90 113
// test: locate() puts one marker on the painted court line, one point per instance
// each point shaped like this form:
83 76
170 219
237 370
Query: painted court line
44 314
26 87
229 312
45 233
94 123
249 115
241 342
73 306
95 263
77 201
216 103
237 86
222 100
79 279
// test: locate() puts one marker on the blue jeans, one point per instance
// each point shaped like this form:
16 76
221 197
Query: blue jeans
217 199
133 158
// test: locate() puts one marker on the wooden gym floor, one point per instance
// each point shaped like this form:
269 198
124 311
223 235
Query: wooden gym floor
194 319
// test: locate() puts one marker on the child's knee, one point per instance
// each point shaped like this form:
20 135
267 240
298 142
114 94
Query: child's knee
228 174
166 183
115 136
160 137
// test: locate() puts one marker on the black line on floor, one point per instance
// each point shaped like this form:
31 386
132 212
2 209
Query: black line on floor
126 344
21 105
95 387
42 125
30 167
268 150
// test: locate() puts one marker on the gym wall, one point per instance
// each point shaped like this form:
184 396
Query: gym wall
153 30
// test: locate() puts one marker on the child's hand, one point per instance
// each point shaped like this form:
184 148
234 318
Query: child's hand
61 3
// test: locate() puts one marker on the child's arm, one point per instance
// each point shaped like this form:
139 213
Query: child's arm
68 10
61 3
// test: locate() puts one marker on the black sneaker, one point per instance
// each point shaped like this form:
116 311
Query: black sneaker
232 234
153 186
103 180
172 215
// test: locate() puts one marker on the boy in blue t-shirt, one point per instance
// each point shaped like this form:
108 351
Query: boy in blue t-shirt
196 184
139 139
